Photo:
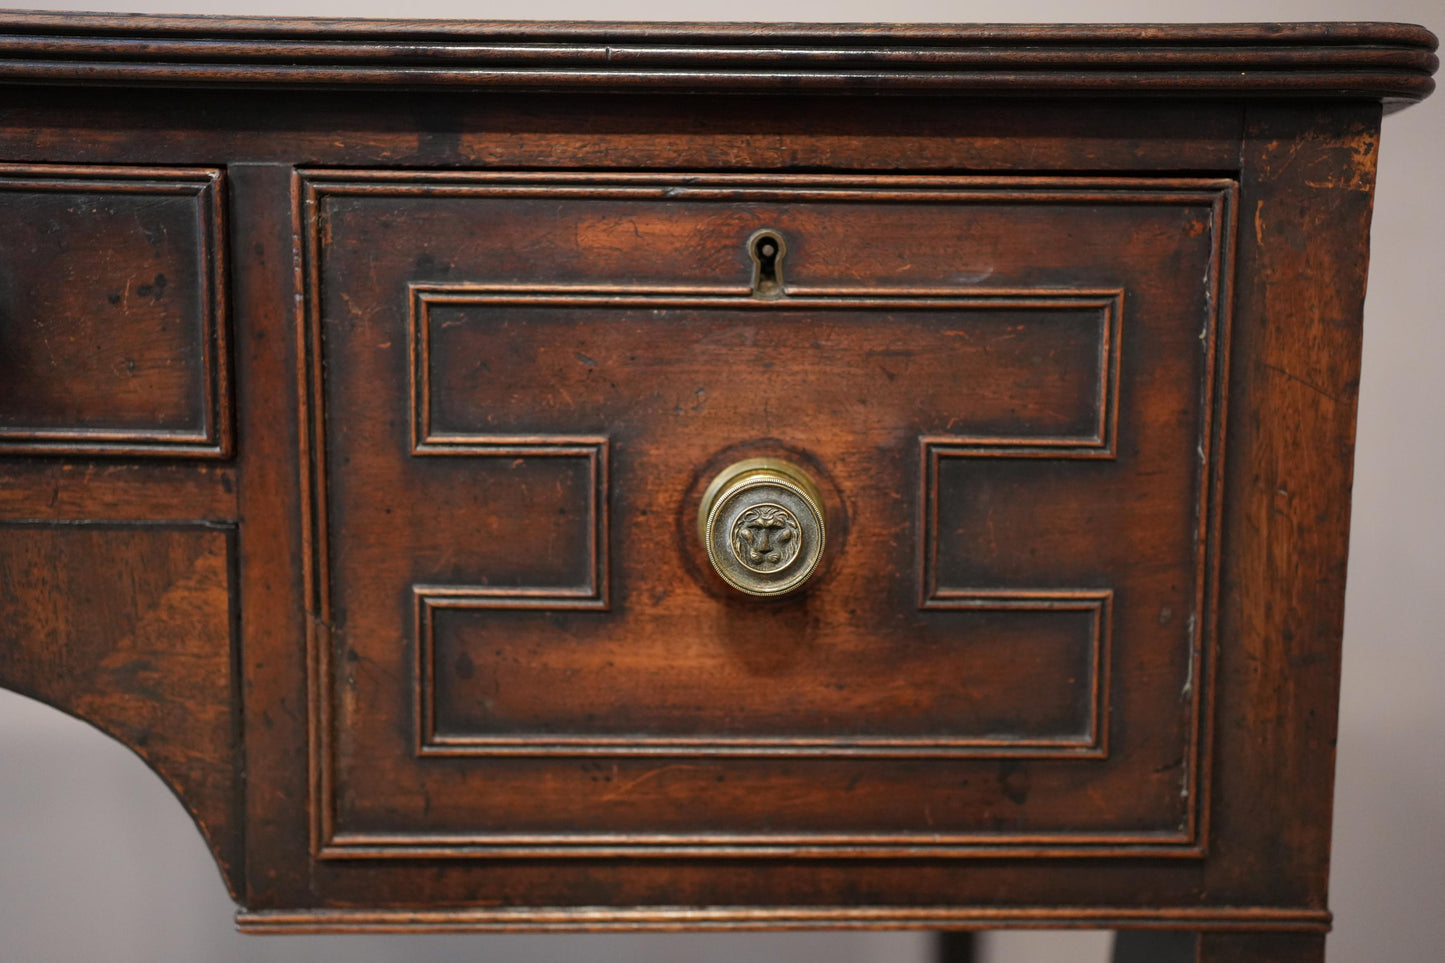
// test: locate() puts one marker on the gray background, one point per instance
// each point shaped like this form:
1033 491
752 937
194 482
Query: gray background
98 861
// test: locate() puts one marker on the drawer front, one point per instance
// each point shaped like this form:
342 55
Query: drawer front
111 322
1006 389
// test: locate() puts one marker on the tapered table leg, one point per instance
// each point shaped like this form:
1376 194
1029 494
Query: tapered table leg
1155 946
956 946
1262 948
1163 946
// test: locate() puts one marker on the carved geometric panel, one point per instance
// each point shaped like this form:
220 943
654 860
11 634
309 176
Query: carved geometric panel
585 458
499 676
1043 363
988 667
590 594
1051 363
112 312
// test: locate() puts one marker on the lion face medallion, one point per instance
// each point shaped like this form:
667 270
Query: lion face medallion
766 538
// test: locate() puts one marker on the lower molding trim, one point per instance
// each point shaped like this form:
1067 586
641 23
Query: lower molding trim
680 918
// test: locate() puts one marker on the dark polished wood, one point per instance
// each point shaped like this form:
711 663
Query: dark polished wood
113 354
1272 948
1374 60
956 946
374 527
1155 946
1144 946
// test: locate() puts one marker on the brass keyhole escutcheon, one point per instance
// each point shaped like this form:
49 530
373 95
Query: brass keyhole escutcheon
763 523
767 249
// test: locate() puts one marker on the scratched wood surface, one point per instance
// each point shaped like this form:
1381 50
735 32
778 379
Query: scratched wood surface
371 530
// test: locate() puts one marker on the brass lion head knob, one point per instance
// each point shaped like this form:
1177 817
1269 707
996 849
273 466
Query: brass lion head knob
763 524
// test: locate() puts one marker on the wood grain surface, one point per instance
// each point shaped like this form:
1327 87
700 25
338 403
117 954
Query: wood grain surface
1393 62
373 529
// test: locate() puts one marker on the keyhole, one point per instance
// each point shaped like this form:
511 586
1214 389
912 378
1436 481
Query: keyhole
767 250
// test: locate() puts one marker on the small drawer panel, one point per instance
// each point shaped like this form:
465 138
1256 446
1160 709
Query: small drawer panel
111 326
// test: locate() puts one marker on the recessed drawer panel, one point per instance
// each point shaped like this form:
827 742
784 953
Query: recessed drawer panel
1004 390
111 321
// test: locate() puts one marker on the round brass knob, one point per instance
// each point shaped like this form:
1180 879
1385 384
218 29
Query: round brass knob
763 523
